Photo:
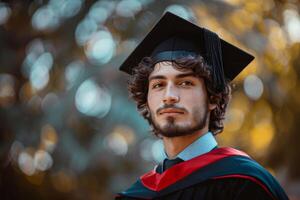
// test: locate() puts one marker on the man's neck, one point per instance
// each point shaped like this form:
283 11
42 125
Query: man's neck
174 145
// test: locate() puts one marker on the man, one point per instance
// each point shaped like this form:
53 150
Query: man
180 81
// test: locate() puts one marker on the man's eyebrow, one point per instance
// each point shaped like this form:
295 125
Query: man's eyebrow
156 77
185 75
177 76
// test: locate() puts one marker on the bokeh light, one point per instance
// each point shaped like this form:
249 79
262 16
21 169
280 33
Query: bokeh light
49 138
117 143
181 11
39 73
51 15
37 64
33 50
66 8
100 47
100 11
42 160
5 13
92 100
73 73
84 30
119 140
128 8
69 130
45 18
157 150
292 24
253 87
16 148
7 90
26 163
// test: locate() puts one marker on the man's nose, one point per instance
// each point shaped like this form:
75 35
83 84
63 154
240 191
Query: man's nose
171 95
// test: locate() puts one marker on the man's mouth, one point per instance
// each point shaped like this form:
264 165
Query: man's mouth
171 111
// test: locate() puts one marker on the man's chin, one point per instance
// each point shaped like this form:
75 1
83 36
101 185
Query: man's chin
174 131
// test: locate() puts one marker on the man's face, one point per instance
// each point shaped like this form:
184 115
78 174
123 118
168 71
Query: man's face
177 101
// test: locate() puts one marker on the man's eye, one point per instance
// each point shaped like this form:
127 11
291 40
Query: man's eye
157 85
186 83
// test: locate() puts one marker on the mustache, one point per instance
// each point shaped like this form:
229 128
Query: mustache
170 106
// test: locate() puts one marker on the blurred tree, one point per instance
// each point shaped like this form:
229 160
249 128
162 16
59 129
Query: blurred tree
67 127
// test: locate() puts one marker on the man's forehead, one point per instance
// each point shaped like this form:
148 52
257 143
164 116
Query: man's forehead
168 68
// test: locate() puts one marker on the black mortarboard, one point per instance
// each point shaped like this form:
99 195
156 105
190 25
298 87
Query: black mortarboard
174 37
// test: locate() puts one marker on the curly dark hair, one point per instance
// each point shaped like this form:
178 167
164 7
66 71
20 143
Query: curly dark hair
138 88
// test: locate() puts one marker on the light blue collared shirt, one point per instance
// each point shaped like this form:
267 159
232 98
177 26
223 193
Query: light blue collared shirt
202 145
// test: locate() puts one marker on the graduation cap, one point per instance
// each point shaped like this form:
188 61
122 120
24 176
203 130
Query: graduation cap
174 37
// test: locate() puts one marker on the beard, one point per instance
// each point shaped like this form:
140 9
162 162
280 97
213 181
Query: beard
172 129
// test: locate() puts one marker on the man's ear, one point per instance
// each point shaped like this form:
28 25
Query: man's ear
212 102
211 106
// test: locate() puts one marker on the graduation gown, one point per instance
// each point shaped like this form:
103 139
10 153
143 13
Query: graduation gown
223 173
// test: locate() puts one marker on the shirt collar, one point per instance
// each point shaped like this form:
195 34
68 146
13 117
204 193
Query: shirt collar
202 145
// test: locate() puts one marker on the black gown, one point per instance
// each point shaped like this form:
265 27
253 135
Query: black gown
223 173
227 189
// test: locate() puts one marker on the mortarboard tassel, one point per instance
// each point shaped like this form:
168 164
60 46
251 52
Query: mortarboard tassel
214 58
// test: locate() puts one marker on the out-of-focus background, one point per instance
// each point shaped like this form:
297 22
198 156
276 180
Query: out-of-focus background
68 129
